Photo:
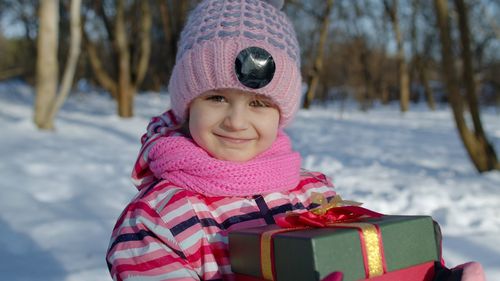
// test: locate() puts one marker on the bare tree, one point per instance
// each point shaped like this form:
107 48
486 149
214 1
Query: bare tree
128 78
486 156
166 20
47 102
420 65
72 61
173 16
367 95
365 56
423 72
47 65
404 81
475 142
314 74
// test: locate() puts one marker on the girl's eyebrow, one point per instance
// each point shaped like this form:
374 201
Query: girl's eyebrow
212 92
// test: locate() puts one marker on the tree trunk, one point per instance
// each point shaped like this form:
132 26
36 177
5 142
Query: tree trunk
314 74
72 61
485 155
424 79
100 73
415 53
47 65
474 148
99 7
125 89
404 80
367 99
165 14
385 92
423 70
142 66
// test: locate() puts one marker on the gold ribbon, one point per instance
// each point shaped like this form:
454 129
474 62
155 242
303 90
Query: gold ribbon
266 253
372 246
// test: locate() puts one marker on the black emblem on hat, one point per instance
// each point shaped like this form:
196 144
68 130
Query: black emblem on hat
254 67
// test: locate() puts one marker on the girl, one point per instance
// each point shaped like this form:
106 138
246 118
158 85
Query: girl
219 159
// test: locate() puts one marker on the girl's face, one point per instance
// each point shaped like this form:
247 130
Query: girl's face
232 124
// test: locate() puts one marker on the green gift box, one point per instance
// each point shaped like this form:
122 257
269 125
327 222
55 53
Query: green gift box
313 253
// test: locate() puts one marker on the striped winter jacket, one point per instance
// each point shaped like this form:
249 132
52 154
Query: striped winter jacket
168 233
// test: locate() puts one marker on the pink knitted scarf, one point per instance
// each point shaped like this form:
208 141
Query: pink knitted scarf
180 160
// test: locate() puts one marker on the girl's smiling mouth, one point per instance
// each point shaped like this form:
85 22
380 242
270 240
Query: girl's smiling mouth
231 139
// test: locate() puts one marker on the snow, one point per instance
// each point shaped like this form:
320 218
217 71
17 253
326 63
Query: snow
62 191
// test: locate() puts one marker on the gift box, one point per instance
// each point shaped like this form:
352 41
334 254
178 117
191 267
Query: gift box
364 249
421 272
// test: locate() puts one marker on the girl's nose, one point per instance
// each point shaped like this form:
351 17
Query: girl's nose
236 119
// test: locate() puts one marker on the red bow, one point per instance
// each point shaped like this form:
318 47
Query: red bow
330 212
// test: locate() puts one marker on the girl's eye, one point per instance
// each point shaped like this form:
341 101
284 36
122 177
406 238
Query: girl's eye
216 98
260 103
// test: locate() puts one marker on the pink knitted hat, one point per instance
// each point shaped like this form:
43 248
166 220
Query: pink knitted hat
217 34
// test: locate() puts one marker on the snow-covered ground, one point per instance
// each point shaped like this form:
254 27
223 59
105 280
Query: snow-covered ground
61 192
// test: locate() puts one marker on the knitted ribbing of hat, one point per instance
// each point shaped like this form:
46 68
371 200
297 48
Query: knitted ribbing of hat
249 19
181 161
